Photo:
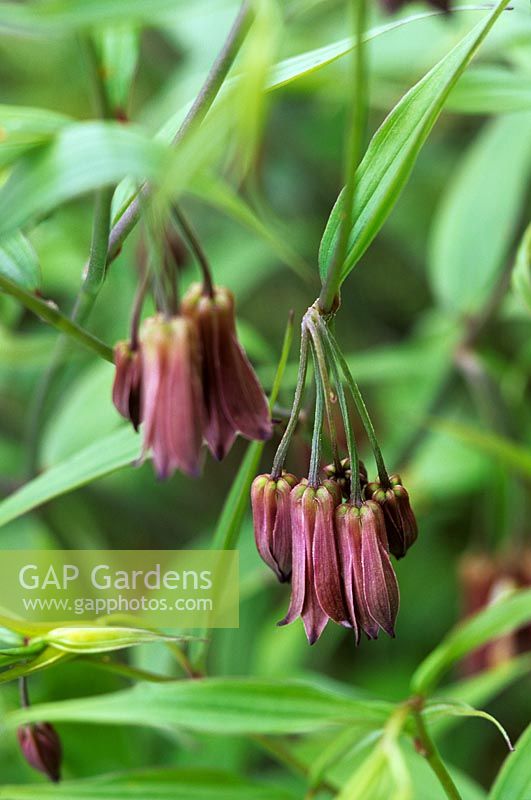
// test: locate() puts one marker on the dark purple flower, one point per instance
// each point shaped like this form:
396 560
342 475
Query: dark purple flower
127 381
41 747
400 522
368 578
270 500
233 398
172 405
316 594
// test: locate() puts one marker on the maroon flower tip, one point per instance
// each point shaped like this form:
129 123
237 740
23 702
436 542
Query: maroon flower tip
233 398
395 5
270 500
127 382
368 580
171 395
400 523
41 747
316 593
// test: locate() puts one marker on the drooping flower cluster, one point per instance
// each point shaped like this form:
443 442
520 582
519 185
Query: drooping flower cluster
333 532
188 380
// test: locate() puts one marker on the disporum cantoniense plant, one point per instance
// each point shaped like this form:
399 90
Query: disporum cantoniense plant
339 529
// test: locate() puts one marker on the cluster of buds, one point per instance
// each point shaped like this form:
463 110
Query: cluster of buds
186 377
333 533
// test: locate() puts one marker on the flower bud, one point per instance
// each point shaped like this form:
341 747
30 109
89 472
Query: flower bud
41 747
316 594
368 578
172 407
127 382
272 522
343 475
233 398
400 522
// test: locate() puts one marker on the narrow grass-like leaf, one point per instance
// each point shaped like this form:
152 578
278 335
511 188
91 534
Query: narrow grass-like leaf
514 779
19 262
479 215
394 148
107 455
83 156
216 705
503 616
157 784
438 710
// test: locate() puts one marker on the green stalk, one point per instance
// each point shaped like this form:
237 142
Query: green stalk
353 155
197 113
432 756
315 458
280 456
361 409
353 455
50 314
327 389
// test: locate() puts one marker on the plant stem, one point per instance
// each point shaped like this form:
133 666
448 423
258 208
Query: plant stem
49 313
195 116
353 455
362 410
353 153
327 390
285 757
427 748
197 250
313 472
280 457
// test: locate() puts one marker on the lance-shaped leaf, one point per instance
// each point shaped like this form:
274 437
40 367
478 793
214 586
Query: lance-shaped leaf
19 262
514 779
394 148
217 705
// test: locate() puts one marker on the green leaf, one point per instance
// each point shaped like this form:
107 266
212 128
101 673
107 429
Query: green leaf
216 705
46 659
521 276
107 455
512 454
479 214
83 156
19 262
22 128
99 639
156 784
394 148
514 779
503 616
119 48
437 709
48 16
